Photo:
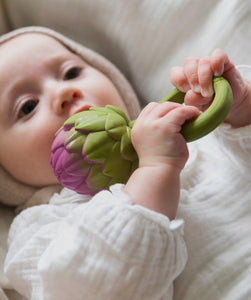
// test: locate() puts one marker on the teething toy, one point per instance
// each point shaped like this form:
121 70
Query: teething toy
93 149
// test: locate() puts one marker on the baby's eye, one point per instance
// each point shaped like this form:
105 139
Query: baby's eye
72 73
27 108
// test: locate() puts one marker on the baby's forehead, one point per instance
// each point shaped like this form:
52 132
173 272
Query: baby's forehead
30 54
32 47
31 38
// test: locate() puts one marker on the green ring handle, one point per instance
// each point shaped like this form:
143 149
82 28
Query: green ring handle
210 118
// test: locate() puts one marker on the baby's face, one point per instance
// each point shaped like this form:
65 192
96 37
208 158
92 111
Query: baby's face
42 84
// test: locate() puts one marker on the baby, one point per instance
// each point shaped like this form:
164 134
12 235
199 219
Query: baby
125 243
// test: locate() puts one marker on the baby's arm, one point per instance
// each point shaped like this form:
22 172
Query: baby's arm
195 78
162 155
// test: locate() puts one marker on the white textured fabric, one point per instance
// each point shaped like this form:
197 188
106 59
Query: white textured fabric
216 209
102 249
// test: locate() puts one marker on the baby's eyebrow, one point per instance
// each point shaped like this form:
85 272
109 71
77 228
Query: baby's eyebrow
7 87
18 82
13 85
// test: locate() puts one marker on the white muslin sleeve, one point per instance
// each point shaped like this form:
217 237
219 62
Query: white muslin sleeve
235 143
106 248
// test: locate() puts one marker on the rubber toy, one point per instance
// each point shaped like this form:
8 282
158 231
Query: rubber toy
93 149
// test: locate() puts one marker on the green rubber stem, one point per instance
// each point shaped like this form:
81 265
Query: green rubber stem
210 118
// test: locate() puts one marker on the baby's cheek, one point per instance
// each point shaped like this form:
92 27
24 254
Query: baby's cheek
40 145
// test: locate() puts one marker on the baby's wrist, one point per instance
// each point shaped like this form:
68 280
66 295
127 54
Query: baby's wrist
175 164
240 115
162 172
155 187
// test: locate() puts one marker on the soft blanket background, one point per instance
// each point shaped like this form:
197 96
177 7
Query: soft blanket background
144 38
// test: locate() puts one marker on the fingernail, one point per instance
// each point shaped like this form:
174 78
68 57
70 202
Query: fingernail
196 88
208 92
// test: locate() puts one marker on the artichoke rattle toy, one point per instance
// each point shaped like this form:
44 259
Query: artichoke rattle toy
93 149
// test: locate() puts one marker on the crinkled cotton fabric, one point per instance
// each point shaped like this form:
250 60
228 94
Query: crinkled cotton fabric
104 248
216 209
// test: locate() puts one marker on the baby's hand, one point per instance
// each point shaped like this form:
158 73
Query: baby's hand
195 78
156 134
162 153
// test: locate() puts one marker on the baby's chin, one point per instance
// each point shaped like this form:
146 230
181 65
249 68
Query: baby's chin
39 179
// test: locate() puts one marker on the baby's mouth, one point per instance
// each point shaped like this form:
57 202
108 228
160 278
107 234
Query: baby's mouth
81 108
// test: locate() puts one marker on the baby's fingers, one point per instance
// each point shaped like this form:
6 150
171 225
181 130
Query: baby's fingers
191 72
220 62
178 79
178 116
205 77
197 100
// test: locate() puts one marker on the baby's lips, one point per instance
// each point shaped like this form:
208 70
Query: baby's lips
81 108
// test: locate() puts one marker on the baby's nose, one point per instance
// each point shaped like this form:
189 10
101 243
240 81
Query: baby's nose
65 97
